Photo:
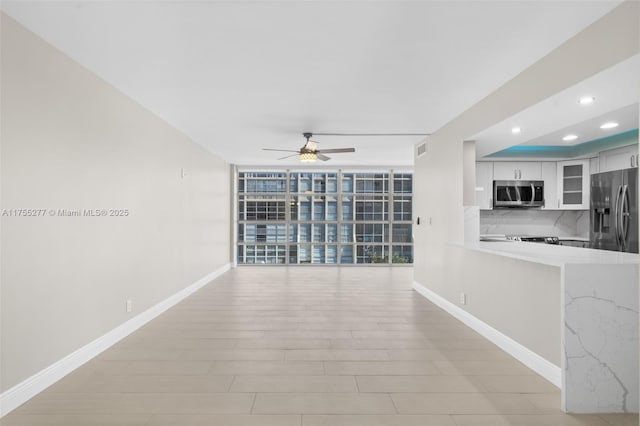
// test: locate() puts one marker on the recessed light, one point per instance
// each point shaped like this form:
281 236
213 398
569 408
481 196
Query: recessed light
570 138
609 125
516 130
586 100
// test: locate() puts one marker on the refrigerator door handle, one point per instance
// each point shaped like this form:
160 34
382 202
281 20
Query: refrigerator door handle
624 217
617 217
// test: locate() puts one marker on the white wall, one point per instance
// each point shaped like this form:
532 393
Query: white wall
71 141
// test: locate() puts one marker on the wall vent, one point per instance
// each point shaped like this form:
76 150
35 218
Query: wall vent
421 149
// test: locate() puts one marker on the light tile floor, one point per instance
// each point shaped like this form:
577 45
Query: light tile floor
304 346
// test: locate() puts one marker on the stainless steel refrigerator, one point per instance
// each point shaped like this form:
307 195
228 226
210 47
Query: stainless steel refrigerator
614 211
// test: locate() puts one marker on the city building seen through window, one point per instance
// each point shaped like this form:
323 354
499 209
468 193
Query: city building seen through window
327 217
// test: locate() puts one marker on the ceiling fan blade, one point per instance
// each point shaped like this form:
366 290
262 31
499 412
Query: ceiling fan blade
288 156
283 150
322 157
337 150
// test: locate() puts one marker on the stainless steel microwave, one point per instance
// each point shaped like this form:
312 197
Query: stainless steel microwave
518 193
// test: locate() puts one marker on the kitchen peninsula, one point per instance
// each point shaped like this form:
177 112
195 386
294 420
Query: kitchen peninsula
570 314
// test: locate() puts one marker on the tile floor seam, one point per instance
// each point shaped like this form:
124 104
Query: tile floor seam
390 396
253 404
605 420
231 383
148 421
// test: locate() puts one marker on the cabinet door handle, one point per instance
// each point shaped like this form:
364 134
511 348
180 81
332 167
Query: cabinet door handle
515 173
632 161
558 202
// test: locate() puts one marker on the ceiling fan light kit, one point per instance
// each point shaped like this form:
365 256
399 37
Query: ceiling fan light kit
308 157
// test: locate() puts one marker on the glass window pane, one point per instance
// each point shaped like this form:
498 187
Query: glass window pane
318 254
293 233
304 253
293 208
332 209
304 233
293 183
347 183
304 208
402 254
305 183
331 254
402 207
318 209
371 208
346 233
293 254
332 183
332 233
402 182
319 183
371 254
318 233
241 258
347 208
346 254
250 233
402 233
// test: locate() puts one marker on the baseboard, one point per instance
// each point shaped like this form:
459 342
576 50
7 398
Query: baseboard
529 358
22 392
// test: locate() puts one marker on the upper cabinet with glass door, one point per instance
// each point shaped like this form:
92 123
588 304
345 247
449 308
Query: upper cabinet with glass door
573 185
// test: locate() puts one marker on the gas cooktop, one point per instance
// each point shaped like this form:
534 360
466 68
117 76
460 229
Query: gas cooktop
534 239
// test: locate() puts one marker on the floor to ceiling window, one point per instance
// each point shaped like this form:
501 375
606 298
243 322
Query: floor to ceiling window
324 217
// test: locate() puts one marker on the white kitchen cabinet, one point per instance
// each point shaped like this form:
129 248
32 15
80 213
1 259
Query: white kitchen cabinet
594 165
484 185
528 170
550 178
573 185
619 158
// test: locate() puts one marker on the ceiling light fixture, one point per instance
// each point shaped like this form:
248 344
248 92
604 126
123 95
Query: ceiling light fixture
570 138
308 157
586 100
516 130
609 125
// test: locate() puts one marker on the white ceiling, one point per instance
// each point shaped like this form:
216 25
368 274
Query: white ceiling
237 76
615 91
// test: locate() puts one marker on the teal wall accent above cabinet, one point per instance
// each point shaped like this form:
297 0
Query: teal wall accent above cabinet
555 151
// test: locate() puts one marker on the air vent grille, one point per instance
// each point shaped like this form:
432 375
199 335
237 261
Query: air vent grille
422 149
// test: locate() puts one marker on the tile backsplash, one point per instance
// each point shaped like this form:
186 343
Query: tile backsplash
561 223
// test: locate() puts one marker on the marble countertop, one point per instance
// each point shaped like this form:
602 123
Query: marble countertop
551 254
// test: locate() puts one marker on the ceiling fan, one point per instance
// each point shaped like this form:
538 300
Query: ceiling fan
310 152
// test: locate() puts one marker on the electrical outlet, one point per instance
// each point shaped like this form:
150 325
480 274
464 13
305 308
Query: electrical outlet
129 305
463 298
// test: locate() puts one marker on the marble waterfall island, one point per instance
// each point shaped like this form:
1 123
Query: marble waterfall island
600 338
573 319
